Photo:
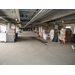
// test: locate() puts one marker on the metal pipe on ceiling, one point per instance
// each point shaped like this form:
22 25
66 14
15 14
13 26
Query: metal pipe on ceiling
27 10
41 13
34 17
4 19
17 13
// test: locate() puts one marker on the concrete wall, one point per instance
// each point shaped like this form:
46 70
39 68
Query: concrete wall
56 26
72 27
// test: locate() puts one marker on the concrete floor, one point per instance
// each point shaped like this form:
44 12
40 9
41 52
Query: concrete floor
32 50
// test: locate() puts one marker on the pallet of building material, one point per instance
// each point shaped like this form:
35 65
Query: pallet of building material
41 34
49 27
65 35
45 36
33 30
52 33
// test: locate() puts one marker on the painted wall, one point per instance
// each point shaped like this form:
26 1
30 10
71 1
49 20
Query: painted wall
72 27
56 26
3 28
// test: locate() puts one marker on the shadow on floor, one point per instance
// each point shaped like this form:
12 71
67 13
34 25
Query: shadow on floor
31 39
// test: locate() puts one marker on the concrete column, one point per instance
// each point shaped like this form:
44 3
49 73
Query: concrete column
35 28
15 28
38 28
32 28
8 26
56 26
73 29
0 29
64 26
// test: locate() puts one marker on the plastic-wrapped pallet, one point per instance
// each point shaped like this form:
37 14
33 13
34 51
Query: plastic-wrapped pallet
11 31
65 35
41 30
45 36
52 33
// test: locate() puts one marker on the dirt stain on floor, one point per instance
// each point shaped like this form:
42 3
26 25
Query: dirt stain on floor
31 38
43 41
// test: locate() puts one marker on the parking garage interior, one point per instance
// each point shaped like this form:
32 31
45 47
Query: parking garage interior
25 37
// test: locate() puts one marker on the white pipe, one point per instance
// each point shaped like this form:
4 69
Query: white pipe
4 19
17 13
34 17
45 12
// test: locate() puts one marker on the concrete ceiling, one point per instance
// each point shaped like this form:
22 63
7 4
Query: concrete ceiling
33 17
27 14
56 16
10 14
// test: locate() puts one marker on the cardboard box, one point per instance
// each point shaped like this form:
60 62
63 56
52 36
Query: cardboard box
49 27
65 35
39 29
43 27
46 31
33 30
66 32
51 38
45 36
41 34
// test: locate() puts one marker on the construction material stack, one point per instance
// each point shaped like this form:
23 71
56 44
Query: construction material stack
44 31
10 35
65 35
46 34
52 33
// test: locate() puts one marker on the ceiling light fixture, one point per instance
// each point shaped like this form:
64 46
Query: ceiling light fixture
62 21
54 23
16 19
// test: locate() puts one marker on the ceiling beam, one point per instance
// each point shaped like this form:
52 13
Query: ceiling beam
17 14
25 18
3 19
59 13
28 10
